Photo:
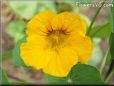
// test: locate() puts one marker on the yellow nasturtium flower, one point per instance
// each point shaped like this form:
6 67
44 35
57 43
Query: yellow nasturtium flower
56 42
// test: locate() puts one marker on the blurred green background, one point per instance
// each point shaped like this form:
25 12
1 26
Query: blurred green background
15 15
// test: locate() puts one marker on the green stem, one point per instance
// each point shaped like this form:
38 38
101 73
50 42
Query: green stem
6 55
109 76
90 27
111 42
18 82
112 13
104 62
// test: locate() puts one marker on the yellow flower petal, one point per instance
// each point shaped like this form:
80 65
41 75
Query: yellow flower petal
40 23
33 51
75 26
34 56
69 22
45 17
61 63
36 27
84 48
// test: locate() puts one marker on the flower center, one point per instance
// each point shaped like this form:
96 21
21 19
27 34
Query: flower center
57 38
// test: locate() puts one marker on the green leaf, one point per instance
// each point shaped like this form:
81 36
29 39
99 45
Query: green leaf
5 79
85 74
55 80
101 31
108 58
16 29
6 55
79 74
61 7
111 42
17 60
25 9
46 6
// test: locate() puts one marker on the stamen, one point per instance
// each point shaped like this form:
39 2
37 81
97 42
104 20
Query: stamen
56 38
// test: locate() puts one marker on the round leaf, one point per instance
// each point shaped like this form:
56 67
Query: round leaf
46 6
55 80
85 74
25 9
17 61
16 29
79 74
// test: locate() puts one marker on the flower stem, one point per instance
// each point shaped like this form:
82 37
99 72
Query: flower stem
90 27
109 76
104 62
111 41
112 13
